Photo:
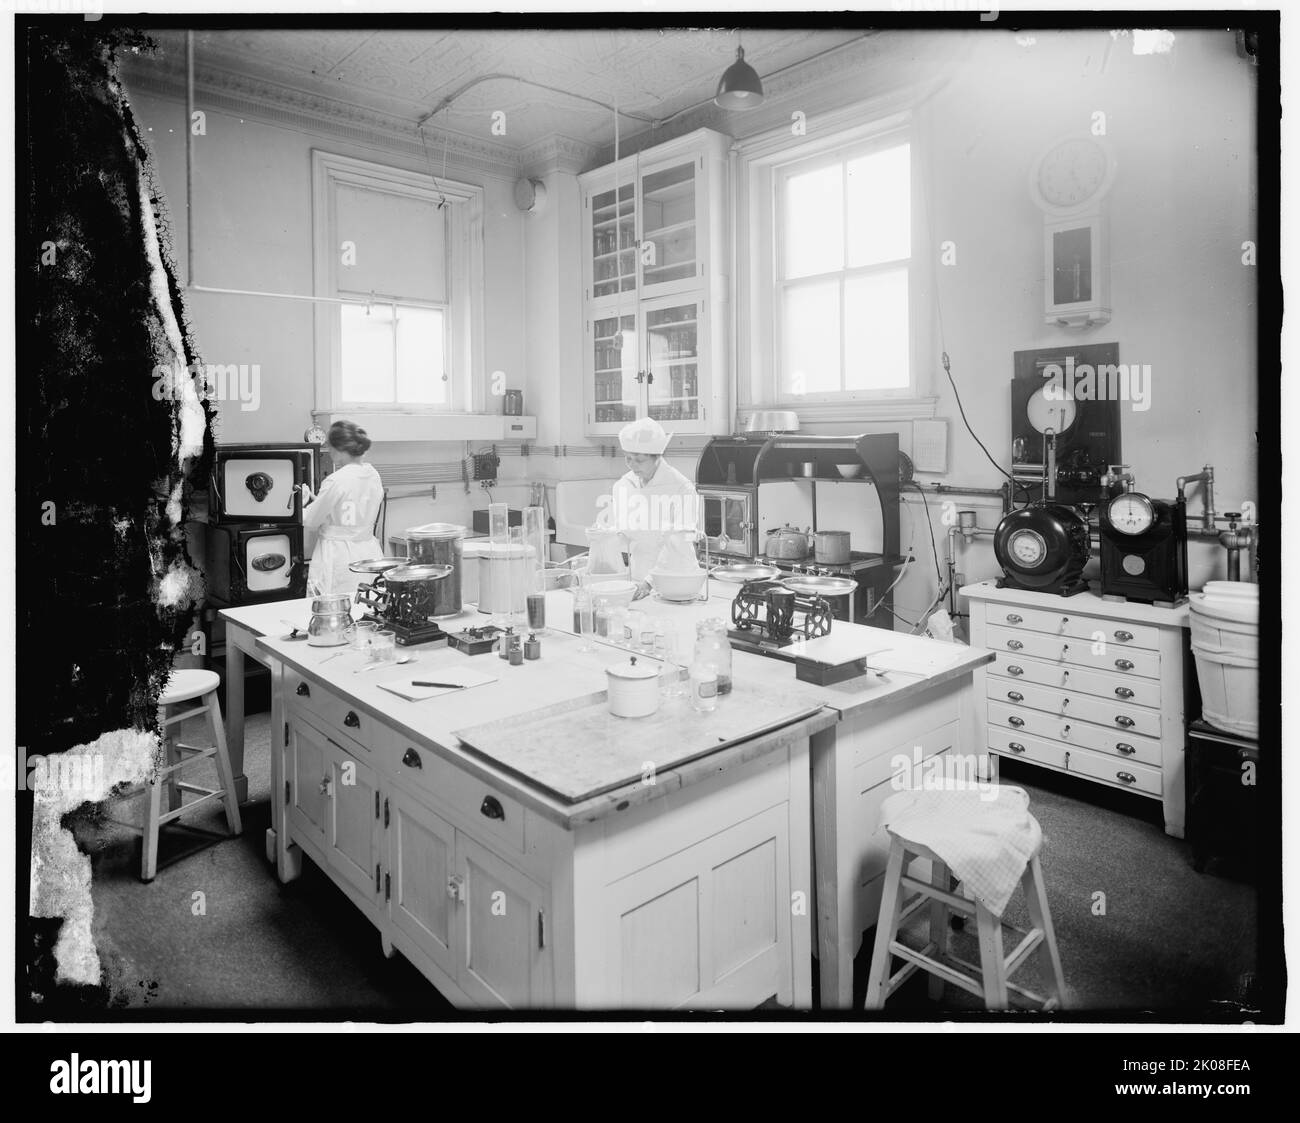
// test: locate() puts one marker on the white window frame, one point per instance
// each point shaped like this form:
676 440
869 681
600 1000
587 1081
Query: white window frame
765 162
463 308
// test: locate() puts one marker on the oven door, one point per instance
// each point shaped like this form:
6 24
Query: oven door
268 562
729 523
258 488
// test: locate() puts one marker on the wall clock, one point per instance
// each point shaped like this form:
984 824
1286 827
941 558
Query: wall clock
1069 182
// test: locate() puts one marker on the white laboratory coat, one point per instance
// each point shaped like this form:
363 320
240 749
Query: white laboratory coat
645 514
343 516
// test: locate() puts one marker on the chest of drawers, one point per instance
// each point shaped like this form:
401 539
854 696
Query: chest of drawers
1087 686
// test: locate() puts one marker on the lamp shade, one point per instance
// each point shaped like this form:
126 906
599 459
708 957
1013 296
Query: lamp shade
739 86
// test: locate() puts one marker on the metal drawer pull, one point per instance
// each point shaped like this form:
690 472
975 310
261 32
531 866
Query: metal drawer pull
1015 746
411 759
1126 777
1123 692
1014 644
1123 637
1126 722
325 786
1125 748
1016 721
491 807
1124 664
303 691
1065 620
456 887
1065 731
1012 618
351 720
1015 695
1013 670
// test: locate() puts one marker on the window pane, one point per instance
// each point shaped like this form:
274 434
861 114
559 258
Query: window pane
879 207
876 331
367 353
814 222
420 366
811 339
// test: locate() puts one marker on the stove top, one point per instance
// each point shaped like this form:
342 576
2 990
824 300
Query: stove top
858 560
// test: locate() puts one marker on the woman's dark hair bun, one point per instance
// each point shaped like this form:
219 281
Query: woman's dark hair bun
349 437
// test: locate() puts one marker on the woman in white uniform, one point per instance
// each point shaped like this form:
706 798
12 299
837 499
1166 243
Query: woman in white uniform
343 514
652 500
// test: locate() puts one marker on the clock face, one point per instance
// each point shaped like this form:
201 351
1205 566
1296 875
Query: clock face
1131 513
1056 412
1028 548
314 436
1072 172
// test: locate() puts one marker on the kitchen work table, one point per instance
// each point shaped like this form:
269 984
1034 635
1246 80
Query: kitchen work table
689 885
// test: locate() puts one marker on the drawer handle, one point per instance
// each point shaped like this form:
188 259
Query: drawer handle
1014 670
1124 664
1016 721
1014 644
1015 695
411 759
1126 777
1123 636
1065 731
456 887
1126 722
325 786
491 807
303 691
351 720
1125 748
1123 692
1012 618
1015 746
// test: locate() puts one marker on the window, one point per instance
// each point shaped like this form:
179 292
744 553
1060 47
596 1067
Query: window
843 274
401 252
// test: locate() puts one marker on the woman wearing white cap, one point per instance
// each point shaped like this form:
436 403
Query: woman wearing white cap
651 500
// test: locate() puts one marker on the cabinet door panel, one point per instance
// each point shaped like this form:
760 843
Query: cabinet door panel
307 770
674 331
352 834
615 354
505 962
422 853
669 214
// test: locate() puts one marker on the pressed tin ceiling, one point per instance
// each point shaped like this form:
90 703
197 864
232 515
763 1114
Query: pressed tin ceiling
403 74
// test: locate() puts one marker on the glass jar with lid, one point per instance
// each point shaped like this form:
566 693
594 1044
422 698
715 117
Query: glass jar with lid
713 646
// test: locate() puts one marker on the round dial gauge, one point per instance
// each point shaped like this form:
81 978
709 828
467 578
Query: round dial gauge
1055 412
314 436
1072 172
1131 513
1028 548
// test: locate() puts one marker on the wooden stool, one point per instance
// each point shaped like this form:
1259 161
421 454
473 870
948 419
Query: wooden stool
989 978
185 686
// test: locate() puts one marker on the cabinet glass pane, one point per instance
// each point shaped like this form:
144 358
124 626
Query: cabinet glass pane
668 223
615 367
672 336
613 242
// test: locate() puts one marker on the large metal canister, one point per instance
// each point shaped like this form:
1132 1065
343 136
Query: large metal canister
440 544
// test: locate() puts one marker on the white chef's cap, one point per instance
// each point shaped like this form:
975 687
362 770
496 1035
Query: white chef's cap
644 436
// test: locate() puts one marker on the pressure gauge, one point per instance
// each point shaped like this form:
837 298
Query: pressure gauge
1027 548
1131 513
1055 411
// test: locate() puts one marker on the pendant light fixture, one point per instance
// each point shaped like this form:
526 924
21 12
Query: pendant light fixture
739 86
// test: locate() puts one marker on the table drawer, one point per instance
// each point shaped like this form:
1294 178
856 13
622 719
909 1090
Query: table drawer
1126 688
332 712
1122 716
1072 732
1066 623
1022 746
1120 773
484 811
1068 649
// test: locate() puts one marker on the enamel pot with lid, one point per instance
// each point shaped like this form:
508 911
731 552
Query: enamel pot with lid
633 689
787 543
831 547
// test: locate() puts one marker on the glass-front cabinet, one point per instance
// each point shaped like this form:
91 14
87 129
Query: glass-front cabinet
653 288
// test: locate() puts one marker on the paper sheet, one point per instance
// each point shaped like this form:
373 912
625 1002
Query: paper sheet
405 688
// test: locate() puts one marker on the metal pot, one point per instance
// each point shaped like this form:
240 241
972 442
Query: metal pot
787 544
331 620
831 547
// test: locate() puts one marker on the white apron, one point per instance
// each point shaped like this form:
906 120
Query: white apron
645 515
343 516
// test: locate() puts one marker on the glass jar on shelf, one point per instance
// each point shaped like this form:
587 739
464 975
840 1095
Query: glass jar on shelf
713 647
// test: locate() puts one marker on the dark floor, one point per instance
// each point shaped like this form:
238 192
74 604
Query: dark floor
1140 932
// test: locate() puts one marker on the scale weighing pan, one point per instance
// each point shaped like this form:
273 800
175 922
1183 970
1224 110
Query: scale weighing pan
377 565
740 573
818 585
